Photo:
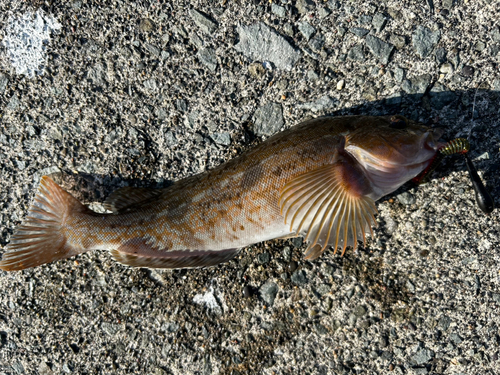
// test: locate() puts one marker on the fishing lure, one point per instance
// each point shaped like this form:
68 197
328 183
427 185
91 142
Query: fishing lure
483 197
460 146
455 146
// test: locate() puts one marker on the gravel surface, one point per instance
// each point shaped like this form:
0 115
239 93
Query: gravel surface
144 93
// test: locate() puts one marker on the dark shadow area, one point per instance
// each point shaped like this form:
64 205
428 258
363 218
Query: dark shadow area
472 114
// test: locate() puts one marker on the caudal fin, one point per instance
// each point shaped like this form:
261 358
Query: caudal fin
39 239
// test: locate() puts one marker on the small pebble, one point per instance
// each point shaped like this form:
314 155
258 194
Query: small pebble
324 12
359 31
359 311
203 21
312 75
292 266
384 341
397 40
263 258
287 253
446 68
278 10
146 25
247 291
268 292
379 22
406 198
468 71
299 277
306 30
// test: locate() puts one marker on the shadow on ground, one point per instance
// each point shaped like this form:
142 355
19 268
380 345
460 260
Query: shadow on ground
473 114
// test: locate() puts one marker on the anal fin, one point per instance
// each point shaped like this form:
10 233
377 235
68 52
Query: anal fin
138 253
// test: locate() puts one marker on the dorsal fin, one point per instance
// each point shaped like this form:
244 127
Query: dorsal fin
329 206
125 198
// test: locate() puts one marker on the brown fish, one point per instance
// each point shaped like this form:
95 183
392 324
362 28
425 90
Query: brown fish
319 180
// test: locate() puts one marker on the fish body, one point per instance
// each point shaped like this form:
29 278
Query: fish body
319 180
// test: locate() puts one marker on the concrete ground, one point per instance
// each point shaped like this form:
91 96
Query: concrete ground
106 94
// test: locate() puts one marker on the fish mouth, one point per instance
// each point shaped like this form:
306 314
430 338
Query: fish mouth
432 137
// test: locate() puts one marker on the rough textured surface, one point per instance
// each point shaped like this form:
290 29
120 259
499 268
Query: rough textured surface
260 42
379 48
25 37
144 93
268 119
424 40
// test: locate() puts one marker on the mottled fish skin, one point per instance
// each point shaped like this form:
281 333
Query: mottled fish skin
319 178
231 206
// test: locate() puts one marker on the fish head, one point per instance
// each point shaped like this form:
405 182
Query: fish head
392 149
394 140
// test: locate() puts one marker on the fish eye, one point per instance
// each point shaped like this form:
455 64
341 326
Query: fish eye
398 122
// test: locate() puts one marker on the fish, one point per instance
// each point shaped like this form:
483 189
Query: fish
319 179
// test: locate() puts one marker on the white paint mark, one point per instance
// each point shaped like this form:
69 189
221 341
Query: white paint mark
208 299
25 40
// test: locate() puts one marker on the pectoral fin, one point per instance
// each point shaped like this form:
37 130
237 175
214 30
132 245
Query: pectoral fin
329 206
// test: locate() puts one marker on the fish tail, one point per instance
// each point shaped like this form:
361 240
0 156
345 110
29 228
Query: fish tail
40 239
